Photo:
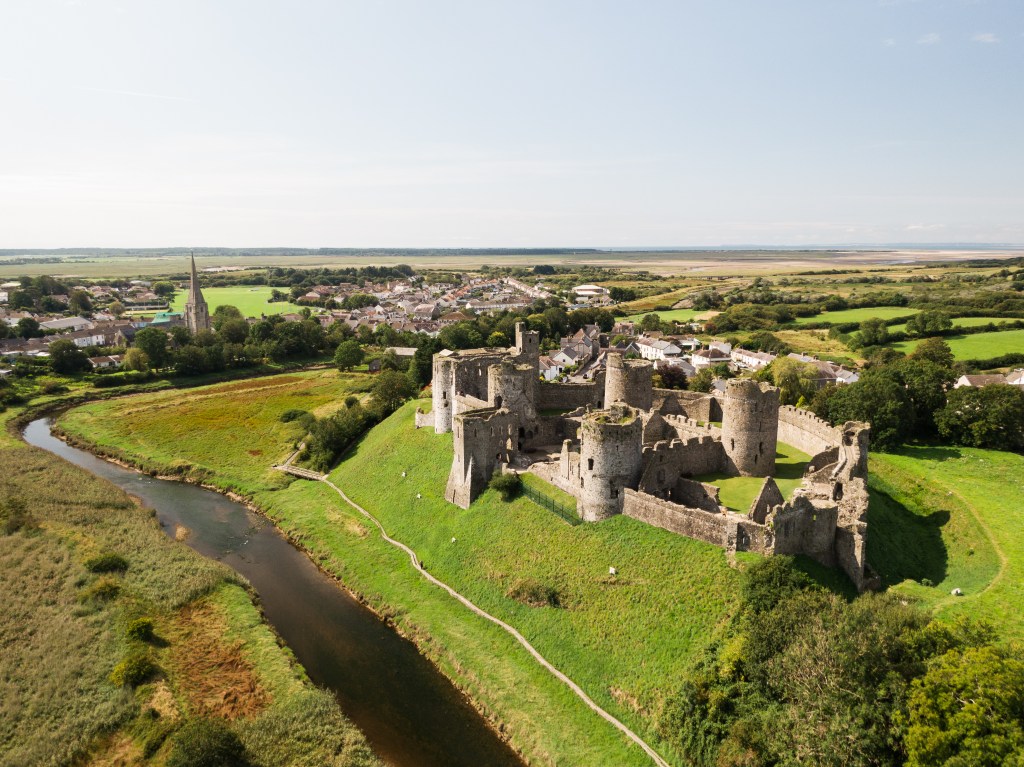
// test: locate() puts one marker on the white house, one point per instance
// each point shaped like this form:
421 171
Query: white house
751 359
703 358
656 348
549 368
980 380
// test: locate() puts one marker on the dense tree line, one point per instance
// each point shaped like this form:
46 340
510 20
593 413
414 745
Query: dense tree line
802 676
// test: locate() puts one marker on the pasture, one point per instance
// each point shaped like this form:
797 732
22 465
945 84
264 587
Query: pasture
738 493
858 315
250 300
961 322
977 346
670 315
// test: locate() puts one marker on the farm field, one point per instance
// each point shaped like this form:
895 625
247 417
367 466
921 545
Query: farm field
250 300
978 346
961 322
951 517
231 430
858 315
671 315
62 628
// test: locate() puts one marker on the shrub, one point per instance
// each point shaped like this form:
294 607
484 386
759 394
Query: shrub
509 485
151 730
293 414
535 593
135 669
15 516
103 590
140 629
206 743
107 563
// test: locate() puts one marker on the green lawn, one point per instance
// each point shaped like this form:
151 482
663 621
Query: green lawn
738 493
858 315
952 517
669 315
978 346
250 300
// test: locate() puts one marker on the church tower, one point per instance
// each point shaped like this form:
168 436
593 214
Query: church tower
197 314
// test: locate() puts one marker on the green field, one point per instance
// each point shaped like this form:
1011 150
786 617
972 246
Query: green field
951 517
978 346
213 429
960 322
250 300
858 315
669 315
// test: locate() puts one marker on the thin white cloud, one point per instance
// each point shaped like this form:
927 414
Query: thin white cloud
135 93
985 37
932 38
889 42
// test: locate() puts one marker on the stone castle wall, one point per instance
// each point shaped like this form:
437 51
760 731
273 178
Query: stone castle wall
805 431
611 444
482 442
628 381
569 396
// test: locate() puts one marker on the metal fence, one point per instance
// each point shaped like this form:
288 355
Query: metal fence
566 512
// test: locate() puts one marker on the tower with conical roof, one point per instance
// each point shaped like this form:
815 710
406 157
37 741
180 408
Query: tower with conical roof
197 313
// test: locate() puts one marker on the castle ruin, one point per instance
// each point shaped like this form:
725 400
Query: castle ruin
620 446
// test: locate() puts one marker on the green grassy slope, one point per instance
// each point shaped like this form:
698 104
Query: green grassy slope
858 315
952 516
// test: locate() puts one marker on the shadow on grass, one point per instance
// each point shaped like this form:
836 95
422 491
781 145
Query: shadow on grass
928 452
831 578
903 545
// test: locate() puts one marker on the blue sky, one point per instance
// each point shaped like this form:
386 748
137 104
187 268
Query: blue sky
513 124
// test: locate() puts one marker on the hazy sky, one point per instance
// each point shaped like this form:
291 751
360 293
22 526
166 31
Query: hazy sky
517 123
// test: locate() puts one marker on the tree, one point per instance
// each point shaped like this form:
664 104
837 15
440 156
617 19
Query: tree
389 391
348 355
934 350
225 313
650 322
990 416
67 358
28 327
873 332
234 330
926 384
878 399
497 339
968 709
928 322
796 380
153 341
79 302
672 377
136 359
116 308
164 289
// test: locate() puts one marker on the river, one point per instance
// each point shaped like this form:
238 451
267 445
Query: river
411 714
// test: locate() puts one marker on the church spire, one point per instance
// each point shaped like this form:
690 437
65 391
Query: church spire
197 314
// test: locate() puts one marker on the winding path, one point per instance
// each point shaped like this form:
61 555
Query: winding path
497 621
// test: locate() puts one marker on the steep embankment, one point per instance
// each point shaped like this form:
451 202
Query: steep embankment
948 518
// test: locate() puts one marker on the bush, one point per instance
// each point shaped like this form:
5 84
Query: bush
535 593
509 485
206 743
135 669
293 414
103 590
140 629
106 563
15 516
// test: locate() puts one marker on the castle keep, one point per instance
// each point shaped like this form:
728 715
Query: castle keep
620 446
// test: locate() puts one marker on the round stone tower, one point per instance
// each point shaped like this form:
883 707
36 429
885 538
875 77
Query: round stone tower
511 386
611 451
750 427
628 381
444 391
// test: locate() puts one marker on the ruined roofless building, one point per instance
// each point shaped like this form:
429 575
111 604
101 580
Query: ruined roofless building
619 446
197 314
